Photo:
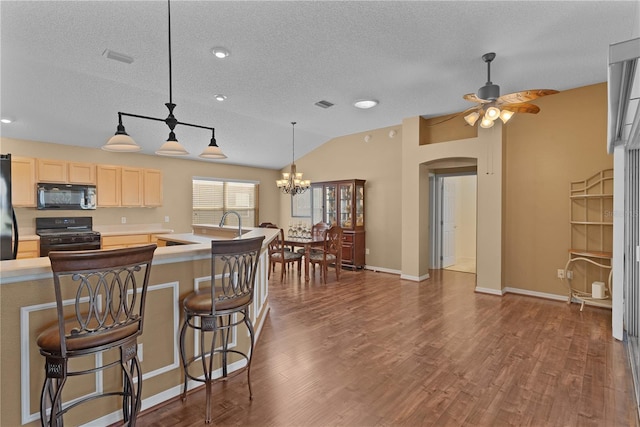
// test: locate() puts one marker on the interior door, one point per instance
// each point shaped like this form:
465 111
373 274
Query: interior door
448 222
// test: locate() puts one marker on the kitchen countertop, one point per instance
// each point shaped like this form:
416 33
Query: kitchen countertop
20 270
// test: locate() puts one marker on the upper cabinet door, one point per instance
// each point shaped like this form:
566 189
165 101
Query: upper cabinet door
152 187
132 186
52 171
23 182
82 173
108 180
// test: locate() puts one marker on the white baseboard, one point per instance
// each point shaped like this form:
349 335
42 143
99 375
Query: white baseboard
537 294
382 269
489 291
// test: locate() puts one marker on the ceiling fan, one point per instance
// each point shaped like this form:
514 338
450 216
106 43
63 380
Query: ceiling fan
491 105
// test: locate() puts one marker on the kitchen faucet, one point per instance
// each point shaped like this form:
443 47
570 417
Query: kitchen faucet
239 221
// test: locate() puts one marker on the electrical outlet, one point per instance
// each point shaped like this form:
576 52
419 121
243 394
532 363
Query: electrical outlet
166 218
569 274
560 273
123 219
140 352
366 251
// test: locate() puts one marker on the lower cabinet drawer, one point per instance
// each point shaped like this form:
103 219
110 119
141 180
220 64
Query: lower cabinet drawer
347 238
111 242
28 249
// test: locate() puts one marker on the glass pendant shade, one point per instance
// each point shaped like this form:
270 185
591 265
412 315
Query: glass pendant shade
472 118
506 115
486 122
492 113
212 151
121 142
172 148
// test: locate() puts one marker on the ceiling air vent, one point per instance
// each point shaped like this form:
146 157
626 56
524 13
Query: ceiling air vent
117 56
324 104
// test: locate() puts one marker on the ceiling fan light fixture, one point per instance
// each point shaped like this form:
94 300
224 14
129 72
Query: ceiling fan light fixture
486 123
472 118
506 115
492 113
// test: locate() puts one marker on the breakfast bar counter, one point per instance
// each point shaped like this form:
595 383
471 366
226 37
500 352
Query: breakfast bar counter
27 305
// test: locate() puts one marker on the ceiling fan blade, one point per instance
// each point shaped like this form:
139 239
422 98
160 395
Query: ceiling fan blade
525 96
474 98
522 108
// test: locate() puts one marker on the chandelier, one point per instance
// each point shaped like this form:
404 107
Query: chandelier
292 182
122 142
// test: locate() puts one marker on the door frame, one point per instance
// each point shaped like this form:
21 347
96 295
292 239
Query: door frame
436 182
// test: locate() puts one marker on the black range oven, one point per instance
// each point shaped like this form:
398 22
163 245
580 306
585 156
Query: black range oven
66 234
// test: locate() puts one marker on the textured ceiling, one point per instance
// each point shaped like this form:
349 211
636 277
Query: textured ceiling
416 58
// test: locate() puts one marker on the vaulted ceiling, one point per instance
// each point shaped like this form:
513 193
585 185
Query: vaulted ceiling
415 58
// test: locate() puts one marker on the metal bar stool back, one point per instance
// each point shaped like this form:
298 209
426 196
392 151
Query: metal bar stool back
215 312
100 300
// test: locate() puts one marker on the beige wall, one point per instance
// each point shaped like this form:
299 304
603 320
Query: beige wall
565 142
377 161
177 175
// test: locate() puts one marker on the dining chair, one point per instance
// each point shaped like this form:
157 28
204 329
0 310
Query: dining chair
100 302
330 253
280 254
216 311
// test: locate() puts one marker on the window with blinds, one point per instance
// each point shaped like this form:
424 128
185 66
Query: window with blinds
212 198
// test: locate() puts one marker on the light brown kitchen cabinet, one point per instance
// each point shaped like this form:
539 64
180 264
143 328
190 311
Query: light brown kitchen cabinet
152 188
131 188
108 184
28 249
52 171
23 182
124 241
81 173
342 203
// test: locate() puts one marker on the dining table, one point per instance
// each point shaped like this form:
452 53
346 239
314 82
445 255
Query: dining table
307 243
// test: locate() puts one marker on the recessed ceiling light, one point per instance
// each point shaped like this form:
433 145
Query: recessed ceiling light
365 103
220 52
6 120
220 97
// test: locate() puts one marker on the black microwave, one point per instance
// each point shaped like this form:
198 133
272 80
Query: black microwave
66 196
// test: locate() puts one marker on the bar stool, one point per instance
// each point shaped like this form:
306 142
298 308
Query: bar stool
220 308
100 299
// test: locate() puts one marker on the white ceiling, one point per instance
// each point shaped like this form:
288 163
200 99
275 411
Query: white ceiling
416 58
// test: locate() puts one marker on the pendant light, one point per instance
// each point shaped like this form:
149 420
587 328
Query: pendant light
122 142
292 182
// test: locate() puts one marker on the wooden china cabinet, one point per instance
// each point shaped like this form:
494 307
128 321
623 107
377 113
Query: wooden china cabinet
342 203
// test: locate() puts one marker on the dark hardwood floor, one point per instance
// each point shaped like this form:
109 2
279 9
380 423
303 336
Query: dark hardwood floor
374 350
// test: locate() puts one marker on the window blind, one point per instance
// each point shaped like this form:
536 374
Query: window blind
211 198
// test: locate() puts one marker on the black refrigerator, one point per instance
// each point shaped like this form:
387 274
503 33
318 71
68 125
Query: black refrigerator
8 223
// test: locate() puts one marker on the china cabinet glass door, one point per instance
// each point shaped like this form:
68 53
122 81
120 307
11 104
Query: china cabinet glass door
359 201
331 214
346 213
317 207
